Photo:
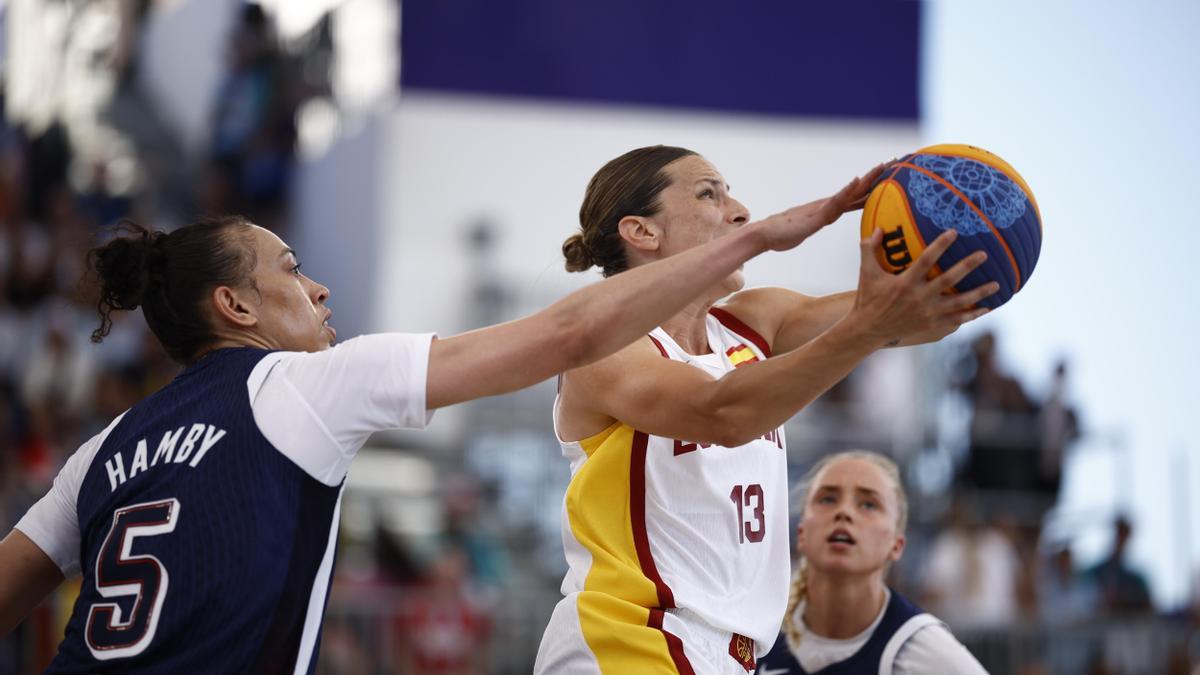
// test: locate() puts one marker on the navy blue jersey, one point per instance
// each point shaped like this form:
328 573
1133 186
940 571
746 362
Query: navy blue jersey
866 661
203 547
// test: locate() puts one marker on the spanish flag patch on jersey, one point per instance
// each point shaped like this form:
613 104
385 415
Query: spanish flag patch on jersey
740 355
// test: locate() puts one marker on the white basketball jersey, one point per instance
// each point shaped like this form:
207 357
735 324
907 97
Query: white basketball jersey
667 523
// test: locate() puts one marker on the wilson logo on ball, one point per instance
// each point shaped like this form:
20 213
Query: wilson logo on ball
895 250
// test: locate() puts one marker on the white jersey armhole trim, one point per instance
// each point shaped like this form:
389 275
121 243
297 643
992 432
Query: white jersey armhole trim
902 634
52 523
555 411
258 376
320 589
328 470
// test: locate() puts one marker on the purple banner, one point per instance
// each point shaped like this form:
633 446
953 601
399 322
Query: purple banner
844 58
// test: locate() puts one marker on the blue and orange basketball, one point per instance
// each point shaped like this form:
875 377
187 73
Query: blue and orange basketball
970 190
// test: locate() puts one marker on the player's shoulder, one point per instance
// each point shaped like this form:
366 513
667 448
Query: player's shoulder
763 299
759 311
931 647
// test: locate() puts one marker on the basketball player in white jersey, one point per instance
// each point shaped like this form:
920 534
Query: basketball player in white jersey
675 520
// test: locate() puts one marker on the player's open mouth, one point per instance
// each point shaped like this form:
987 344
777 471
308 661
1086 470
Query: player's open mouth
841 537
326 326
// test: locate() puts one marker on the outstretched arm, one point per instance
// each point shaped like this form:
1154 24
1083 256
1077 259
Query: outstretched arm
666 398
29 575
598 320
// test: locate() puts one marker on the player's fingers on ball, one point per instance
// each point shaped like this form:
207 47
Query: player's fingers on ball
931 254
966 316
870 271
962 302
976 294
868 247
874 174
959 271
842 199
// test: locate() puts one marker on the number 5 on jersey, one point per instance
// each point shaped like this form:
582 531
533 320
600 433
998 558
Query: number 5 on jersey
119 573
749 497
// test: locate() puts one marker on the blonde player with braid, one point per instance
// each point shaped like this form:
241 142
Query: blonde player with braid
841 617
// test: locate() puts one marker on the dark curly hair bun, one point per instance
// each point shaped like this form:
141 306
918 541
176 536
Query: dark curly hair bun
169 275
130 268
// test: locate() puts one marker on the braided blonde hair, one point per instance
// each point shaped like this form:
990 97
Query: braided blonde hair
791 626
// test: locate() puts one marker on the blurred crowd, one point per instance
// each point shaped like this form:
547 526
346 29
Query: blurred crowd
990 562
980 560
58 199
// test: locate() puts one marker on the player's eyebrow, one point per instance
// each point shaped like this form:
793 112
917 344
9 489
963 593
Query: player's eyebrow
867 491
288 251
858 488
714 182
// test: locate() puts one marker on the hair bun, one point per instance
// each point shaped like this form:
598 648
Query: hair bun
130 268
579 256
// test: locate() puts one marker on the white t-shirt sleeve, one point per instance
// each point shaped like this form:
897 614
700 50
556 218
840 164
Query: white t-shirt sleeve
933 649
53 522
319 408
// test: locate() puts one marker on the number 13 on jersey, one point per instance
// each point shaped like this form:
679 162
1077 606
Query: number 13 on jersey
749 498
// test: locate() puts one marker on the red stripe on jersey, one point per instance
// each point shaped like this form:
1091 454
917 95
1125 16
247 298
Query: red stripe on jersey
674 644
659 345
746 332
637 517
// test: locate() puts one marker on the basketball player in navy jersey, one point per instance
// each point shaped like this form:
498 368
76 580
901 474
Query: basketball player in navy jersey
841 618
203 519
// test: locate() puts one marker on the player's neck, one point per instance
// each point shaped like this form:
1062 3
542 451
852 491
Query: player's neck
839 610
226 340
689 328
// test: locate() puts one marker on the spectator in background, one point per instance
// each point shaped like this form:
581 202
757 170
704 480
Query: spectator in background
1064 597
1004 445
1058 427
971 574
29 270
466 528
342 650
253 127
1121 589
444 630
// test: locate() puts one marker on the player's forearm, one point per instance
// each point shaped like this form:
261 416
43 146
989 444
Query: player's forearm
825 311
617 311
753 400
27 578
812 319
